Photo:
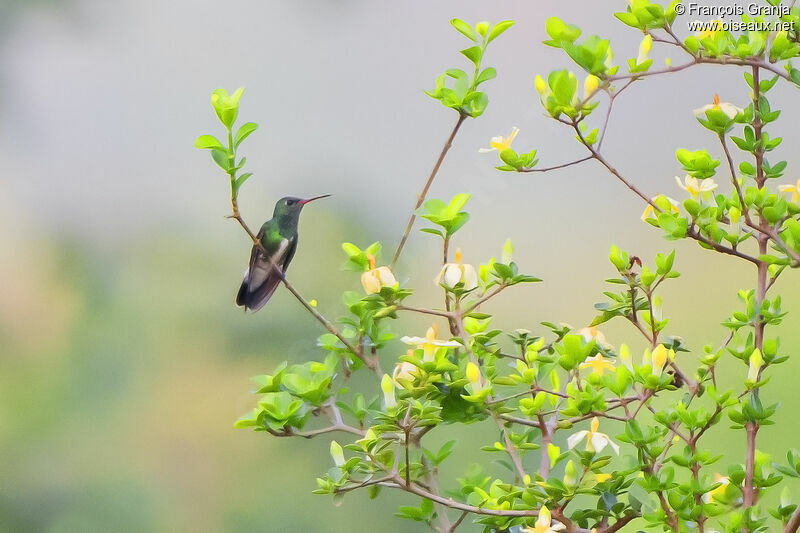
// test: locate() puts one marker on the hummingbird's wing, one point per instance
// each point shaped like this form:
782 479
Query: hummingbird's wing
260 280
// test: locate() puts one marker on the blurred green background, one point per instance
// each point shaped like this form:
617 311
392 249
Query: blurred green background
123 360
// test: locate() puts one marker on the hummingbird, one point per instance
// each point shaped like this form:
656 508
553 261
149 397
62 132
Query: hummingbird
278 242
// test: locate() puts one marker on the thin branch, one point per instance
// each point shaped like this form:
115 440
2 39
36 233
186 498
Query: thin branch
793 525
705 61
763 228
425 311
555 167
690 232
511 450
602 160
371 363
483 299
612 96
287 432
424 192
458 522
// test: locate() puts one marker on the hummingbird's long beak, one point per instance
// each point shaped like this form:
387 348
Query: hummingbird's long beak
304 202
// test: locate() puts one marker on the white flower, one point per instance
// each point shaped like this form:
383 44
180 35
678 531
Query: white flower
501 143
404 370
711 495
544 523
591 333
794 190
696 187
454 273
374 279
595 441
710 28
650 211
726 107
598 364
429 343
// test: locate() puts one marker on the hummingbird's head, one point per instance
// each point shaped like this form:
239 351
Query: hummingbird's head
291 206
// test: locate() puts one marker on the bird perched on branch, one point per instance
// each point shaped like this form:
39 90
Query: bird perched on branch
277 244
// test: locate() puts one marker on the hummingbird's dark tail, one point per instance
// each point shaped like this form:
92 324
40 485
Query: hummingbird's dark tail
253 296
260 279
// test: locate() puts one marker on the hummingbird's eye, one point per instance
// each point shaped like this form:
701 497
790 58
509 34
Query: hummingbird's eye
289 202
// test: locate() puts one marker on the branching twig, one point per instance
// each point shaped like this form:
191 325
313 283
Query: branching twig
421 197
371 362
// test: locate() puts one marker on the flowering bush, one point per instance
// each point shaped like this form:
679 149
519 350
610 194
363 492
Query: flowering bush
587 446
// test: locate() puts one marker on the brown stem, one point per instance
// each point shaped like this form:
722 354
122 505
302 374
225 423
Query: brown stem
749 494
690 232
424 192
763 227
794 522
287 432
483 299
555 167
457 523
755 63
751 428
547 437
424 311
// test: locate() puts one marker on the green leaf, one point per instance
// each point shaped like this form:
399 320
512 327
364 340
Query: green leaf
509 157
464 29
221 158
498 29
208 142
246 129
473 53
486 75
241 179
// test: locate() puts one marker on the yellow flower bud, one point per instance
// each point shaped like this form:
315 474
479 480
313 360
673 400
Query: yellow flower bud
608 61
540 84
387 386
590 84
734 214
660 356
474 376
756 360
337 453
482 27
570 474
625 356
644 49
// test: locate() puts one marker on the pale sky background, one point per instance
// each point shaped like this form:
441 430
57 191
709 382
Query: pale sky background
102 100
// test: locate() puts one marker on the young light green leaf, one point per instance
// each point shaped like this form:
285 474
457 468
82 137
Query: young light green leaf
499 28
486 75
221 158
464 29
207 142
473 53
246 129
